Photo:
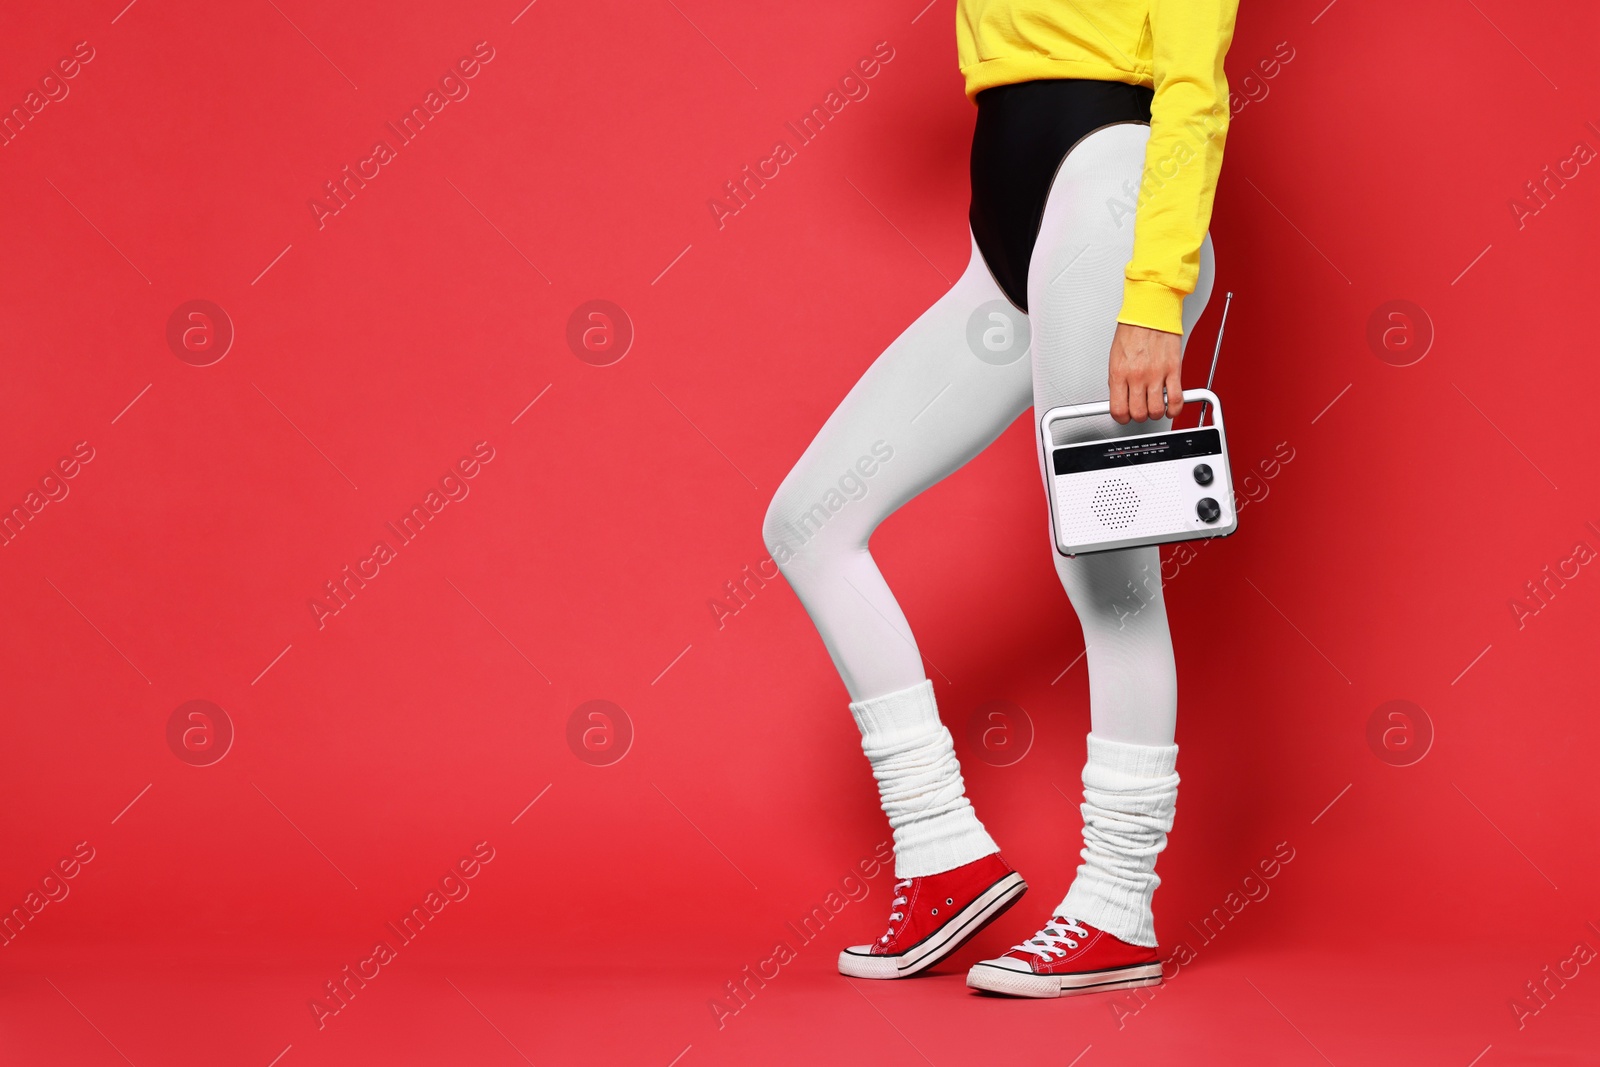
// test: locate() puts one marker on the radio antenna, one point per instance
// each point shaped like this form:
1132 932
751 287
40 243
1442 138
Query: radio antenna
1204 406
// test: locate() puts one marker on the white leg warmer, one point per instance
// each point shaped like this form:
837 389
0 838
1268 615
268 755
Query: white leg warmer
1129 796
919 781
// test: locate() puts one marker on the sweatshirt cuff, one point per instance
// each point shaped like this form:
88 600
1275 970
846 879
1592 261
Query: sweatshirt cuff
1152 305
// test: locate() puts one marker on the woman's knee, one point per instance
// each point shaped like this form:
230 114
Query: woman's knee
778 524
795 521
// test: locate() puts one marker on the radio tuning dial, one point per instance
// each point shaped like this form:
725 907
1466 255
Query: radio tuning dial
1202 474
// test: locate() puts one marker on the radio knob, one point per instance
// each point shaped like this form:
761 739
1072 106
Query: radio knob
1208 510
1203 475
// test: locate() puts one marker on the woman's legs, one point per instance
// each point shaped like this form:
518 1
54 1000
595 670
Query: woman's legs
1074 295
922 410
925 407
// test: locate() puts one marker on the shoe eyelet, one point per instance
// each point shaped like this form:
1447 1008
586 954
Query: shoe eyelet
949 900
936 911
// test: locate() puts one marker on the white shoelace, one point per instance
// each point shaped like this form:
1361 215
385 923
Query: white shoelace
896 915
1048 942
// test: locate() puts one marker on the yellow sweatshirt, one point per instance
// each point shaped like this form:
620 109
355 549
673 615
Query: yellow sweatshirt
1174 46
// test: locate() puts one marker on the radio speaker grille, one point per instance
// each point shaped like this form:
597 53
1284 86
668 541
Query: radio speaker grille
1115 503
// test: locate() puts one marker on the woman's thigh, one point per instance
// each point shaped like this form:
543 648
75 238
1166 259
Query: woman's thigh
936 397
1076 275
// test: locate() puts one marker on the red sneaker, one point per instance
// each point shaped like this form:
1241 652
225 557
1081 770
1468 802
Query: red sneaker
1067 958
933 916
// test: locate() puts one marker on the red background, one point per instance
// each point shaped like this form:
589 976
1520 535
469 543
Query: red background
374 752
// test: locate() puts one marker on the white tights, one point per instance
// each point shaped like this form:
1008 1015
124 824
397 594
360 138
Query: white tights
936 397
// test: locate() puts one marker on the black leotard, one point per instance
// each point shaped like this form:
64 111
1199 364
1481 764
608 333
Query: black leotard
1023 133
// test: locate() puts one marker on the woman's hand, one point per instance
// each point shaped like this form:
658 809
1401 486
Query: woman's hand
1143 362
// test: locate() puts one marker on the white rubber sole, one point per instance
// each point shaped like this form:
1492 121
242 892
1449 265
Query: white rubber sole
993 979
990 904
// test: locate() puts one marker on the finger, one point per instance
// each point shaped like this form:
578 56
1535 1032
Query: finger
1157 405
1138 401
1174 394
1119 398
